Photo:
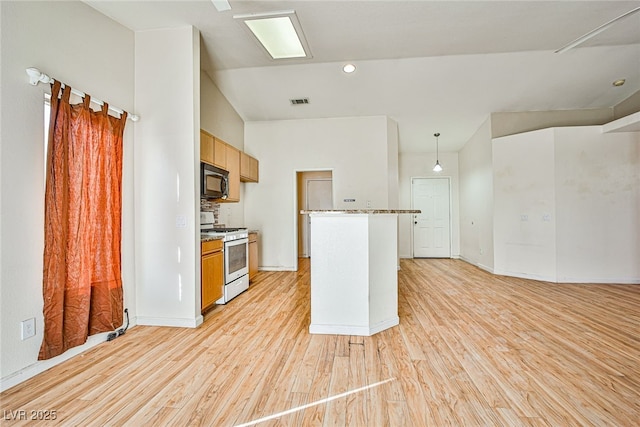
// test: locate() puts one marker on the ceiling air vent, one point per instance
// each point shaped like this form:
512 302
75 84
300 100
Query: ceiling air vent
299 101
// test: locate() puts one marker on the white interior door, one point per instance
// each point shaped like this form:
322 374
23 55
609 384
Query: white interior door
432 227
319 197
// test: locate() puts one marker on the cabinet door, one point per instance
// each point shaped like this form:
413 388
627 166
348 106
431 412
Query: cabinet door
253 167
220 153
206 148
248 168
233 166
212 278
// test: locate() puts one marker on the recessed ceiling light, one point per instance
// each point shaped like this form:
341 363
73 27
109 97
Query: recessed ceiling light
349 68
619 82
279 33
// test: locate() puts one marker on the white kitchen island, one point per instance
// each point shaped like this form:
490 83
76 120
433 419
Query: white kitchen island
354 271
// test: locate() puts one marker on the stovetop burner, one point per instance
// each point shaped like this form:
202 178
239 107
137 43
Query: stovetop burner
227 234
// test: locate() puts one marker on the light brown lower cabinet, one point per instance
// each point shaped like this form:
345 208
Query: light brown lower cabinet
212 273
253 255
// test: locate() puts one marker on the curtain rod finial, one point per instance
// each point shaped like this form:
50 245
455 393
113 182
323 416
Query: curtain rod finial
35 76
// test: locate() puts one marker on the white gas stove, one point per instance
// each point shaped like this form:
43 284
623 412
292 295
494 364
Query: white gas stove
209 228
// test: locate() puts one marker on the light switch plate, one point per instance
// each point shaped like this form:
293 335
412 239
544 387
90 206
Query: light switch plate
181 221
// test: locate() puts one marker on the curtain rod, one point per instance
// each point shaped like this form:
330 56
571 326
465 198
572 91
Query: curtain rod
35 77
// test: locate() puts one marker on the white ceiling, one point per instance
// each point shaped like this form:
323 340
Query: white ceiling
433 66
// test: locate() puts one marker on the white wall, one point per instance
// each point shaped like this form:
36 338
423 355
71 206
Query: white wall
105 71
476 199
598 205
524 205
420 165
355 149
567 205
167 164
218 117
392 164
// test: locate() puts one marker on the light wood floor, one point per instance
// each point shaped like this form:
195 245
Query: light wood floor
471 349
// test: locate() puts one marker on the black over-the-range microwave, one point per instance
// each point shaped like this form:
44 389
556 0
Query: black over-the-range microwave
214 182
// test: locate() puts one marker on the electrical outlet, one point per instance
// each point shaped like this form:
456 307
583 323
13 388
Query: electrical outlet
368 203
28 328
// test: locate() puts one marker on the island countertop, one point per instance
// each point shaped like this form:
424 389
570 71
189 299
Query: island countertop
362 211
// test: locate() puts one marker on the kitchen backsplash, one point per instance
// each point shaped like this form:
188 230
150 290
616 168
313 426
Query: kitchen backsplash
210 206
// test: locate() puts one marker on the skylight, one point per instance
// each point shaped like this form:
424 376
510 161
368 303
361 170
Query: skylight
279 33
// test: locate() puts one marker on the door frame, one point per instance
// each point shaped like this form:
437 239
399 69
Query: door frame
306 228
448 178
296 203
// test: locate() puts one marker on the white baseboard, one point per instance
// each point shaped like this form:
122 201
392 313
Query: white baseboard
481 266
276 268
365 331
170 321
555 279
386 324
485 268
539 277
453 256
600 280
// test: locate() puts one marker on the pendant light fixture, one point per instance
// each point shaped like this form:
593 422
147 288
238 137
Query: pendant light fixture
437 167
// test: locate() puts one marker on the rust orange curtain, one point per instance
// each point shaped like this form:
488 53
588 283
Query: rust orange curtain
82 284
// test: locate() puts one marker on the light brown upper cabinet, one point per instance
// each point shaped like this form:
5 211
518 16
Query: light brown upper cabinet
220 153
233 167
213 150
248 168
240 166
206 147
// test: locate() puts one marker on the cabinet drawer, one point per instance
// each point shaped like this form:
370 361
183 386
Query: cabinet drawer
211 246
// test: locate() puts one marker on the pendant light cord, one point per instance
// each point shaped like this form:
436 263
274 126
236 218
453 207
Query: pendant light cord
437 167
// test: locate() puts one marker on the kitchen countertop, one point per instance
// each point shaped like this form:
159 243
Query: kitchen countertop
362 211
204 238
